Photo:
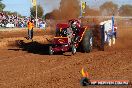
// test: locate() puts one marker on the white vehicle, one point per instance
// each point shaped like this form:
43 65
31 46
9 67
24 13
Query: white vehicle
109 34
10 25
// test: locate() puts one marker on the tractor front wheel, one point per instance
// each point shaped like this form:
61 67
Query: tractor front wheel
50 50
74 50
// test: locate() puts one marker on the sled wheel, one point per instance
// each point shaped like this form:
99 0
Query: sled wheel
109 42
113 40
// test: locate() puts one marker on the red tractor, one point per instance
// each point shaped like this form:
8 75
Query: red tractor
70 36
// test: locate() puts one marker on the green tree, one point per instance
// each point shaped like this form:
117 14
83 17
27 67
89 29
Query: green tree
2 6
109 8
39 11
125 10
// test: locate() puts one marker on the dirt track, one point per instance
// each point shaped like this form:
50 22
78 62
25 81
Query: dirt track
31 67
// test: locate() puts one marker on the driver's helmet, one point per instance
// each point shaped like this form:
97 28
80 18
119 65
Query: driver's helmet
74 24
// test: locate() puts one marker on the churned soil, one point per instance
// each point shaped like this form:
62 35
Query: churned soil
28 65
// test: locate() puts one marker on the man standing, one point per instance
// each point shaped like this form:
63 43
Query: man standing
30 29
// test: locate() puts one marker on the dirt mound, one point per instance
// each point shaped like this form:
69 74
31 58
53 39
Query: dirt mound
9 37
15 42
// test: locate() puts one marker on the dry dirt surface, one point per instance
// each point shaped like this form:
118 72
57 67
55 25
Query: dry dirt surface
28 65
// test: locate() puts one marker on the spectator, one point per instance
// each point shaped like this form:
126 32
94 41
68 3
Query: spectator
30 29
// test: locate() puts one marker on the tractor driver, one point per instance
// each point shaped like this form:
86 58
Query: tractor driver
75 25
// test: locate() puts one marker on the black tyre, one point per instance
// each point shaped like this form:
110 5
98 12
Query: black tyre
87 42
74 50
50 50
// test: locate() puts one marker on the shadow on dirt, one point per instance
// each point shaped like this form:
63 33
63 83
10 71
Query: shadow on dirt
32 47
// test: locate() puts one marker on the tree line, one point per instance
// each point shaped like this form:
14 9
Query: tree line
106 9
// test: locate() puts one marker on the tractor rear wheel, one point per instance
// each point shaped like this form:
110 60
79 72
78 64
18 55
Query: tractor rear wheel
87 42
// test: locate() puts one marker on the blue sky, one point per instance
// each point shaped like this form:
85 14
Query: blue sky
23 6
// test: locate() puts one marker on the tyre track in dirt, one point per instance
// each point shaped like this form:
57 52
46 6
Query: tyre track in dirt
70 64
21 69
